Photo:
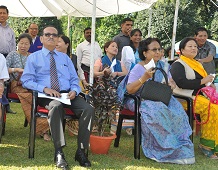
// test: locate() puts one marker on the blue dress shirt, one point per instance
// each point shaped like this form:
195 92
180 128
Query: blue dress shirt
36 75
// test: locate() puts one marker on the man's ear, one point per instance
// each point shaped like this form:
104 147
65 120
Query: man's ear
41 39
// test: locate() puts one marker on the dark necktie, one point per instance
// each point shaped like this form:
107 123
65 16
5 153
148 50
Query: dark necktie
53 74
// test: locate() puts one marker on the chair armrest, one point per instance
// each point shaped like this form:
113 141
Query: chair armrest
136 99
187 99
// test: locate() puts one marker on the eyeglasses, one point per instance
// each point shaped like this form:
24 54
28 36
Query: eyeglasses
155 50
49 35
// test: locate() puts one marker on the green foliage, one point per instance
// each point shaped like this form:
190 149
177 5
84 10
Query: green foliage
214 26
19 25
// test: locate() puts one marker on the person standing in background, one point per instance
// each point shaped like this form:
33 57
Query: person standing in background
7 37
206 50
36 44
83 52
123 38
130 54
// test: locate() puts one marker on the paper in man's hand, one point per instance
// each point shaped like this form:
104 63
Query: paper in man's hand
63 99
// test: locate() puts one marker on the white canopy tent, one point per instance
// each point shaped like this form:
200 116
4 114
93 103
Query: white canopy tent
77 8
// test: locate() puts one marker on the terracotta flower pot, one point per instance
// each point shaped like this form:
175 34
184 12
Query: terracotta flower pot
101 144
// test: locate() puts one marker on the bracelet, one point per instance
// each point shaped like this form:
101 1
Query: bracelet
12 69
1 84
140 80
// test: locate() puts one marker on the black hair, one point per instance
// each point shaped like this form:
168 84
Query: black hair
107 44
66 41
88 28
25 35
4 7
125 20
184 42
33 23
200 29
131 34
167 51
143 46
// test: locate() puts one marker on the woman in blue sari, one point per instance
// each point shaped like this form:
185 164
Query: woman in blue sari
165 129
108 63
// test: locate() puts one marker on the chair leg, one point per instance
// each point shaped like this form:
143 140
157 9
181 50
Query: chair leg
2 121
118 132
190 115
64 124
25 122
32 134
137 137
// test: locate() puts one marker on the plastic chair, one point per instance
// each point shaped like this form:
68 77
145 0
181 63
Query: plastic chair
127 114
12 97
41 112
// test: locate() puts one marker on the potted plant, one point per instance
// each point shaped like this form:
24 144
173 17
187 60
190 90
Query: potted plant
105 100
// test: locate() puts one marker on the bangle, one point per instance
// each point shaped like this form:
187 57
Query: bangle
1 84
140 80
12 69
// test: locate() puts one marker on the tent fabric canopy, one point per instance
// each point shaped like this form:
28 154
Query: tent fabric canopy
77 8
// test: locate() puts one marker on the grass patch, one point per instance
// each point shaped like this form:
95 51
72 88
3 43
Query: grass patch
14 152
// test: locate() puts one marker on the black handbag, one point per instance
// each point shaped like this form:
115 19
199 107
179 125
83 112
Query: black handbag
157 91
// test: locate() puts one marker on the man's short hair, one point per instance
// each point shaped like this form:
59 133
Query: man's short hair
125 20
88 28
4 7
200 29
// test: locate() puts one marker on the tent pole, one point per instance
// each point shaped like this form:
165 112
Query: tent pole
68 25
149 23
91 75
174 29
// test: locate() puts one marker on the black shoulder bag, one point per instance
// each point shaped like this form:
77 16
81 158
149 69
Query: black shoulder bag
157 91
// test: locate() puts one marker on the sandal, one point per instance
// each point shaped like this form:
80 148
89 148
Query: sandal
209 153
45 136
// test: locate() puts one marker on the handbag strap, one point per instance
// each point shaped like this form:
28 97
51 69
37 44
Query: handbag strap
163 72
208 116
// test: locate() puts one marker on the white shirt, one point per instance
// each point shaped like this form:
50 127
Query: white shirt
83 52
127 57
3 68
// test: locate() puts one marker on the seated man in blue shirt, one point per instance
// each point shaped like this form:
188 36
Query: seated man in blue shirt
36 76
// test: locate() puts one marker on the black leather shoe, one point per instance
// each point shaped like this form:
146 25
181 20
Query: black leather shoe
10 111
60 161
82 158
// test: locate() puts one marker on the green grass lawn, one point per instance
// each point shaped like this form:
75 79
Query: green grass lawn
14 152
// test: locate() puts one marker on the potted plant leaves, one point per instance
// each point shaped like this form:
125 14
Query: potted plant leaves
105 100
